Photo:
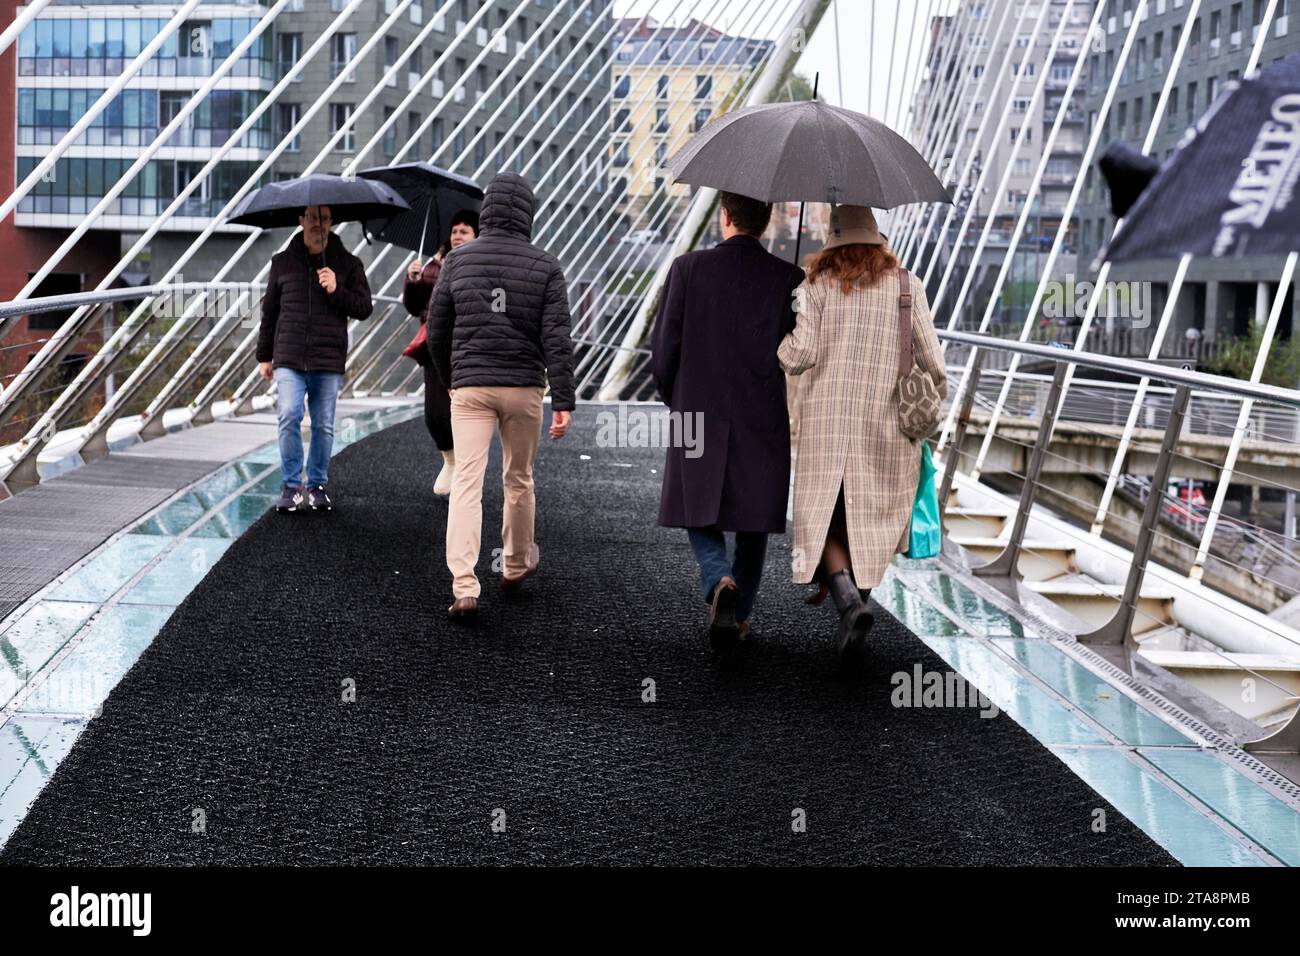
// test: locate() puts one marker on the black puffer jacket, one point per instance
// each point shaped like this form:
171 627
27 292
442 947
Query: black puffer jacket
500 310
303 326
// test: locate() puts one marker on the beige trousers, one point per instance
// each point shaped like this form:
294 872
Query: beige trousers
477 411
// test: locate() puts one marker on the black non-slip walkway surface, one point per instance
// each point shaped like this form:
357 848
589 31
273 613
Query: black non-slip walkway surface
536 718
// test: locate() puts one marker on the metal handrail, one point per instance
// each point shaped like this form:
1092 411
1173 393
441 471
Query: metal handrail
72 300
1128 366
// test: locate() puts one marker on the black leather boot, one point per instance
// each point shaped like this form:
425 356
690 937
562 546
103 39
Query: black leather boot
855 619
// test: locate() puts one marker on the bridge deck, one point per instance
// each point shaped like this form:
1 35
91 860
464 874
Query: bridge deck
235 707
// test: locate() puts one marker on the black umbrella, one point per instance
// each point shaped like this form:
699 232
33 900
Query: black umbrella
350 200
435 196
1230 189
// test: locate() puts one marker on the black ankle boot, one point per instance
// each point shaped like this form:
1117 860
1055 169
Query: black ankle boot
855 619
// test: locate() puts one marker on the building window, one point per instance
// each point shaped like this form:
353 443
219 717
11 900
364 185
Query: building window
343 50
703 87
341 117
390 132
661 87
701 118
622 86
287 116
288 50
390 60
413 132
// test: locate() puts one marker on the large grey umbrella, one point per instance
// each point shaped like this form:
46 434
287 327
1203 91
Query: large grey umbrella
807 152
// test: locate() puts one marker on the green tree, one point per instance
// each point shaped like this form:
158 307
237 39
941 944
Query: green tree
1236 358
796 89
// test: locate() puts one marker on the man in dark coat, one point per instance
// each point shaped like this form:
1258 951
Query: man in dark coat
314 288
722 314
498 331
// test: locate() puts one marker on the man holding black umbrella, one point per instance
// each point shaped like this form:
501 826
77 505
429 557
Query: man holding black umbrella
315 286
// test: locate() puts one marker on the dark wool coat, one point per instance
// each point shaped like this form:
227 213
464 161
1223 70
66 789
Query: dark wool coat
303 326
722 314
500 310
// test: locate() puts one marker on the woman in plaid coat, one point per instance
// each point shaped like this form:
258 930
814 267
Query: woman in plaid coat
855 472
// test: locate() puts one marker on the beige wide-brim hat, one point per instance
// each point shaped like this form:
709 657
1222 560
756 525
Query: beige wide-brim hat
856 225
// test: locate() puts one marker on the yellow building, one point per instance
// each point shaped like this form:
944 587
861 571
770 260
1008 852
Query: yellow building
668 82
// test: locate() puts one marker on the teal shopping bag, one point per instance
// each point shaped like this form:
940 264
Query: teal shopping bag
927 529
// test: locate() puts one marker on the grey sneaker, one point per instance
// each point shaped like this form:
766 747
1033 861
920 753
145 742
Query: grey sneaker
291 498
318 500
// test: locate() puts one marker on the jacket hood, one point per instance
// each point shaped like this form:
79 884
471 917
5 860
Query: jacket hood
508 206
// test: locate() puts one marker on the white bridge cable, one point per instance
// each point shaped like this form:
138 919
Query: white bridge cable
1166 317
952 135
25 16
615 267
27 446
47 161
138 321
594 143
999 191
986 167
538 154
898 119
608 217
252 380
1067 214
1022 220
484 96
941 59
945 140
242 351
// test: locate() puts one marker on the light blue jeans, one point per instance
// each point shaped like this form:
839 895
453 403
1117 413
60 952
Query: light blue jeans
321 392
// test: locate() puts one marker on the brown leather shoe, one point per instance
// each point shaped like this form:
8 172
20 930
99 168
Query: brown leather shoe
724 634
464 610
531 561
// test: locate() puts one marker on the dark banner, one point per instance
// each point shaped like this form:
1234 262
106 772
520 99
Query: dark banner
1230 188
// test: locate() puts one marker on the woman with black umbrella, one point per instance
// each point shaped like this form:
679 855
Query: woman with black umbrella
416 294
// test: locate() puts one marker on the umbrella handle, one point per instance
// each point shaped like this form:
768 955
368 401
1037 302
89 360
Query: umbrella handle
425 231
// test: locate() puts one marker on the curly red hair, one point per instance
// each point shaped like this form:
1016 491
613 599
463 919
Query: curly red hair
854 265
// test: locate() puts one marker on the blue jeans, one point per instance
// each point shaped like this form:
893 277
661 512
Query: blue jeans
321 391
746 570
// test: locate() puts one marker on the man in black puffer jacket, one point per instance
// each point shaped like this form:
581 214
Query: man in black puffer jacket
314 287
498 330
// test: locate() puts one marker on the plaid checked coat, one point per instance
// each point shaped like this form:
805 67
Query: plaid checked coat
842 358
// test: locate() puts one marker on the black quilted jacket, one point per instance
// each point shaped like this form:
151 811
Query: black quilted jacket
303 326
500 310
